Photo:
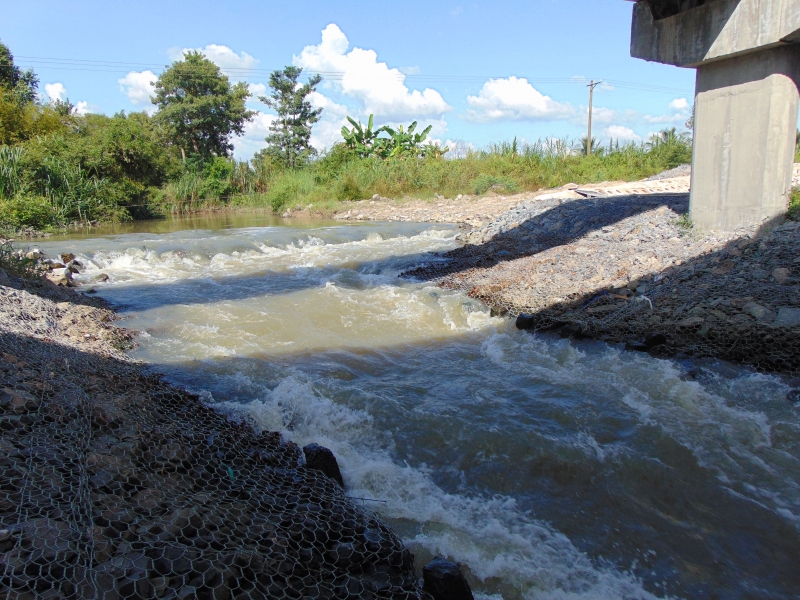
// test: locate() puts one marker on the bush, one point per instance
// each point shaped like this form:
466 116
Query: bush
347 188
33 212
794 205
483 183
13 261
217 174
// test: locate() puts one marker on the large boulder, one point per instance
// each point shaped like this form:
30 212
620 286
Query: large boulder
444 580
321 459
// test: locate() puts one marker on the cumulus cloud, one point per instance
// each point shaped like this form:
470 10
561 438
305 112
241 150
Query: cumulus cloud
82 108
257 89
380 90
514 99
232 64
620 132
253 139
138 87
55 91
679 104
327 131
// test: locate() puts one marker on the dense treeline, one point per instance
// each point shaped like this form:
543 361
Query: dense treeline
58 167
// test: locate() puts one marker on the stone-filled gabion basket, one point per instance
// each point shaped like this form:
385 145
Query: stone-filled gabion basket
115 485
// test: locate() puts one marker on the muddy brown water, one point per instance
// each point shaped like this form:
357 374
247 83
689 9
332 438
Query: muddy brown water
550 468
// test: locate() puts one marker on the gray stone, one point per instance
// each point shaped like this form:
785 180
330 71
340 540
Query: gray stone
444 580
788 316
754 309
524 321
322 459
781 275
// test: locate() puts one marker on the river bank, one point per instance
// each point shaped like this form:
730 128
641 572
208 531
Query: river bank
116 484
630 268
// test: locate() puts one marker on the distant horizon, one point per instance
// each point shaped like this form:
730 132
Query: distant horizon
478 73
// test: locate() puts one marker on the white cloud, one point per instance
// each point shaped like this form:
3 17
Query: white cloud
138 87
254 136
602 115
679 104
55 91
410 70
232 64
681 107
620 132
328 130
82 108
514 99
257 89
666 119
359 75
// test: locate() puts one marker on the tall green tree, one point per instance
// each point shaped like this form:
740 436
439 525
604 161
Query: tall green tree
22 84
290 140
198 108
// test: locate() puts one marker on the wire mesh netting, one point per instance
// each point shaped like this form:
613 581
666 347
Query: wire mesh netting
632 269
115 485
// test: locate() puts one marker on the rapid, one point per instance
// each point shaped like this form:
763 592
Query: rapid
550 468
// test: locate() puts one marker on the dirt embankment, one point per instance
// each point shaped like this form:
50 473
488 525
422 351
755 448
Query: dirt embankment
117 485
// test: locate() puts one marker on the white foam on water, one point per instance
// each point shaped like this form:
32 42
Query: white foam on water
199 260
501 545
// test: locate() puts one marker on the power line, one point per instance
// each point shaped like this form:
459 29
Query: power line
101 66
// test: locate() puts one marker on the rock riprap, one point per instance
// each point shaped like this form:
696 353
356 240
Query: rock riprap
113 484
629 268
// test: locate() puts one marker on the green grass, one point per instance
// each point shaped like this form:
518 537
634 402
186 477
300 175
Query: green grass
333 179
794 205
61 194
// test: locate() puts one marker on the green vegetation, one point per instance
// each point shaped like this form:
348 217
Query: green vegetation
58 167
198 109
15 262
797 148
290 140
366 142
794 205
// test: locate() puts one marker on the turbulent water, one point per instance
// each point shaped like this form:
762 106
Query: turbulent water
549 468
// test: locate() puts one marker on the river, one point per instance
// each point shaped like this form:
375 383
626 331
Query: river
550 468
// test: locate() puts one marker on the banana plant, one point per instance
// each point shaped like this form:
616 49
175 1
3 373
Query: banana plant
407 143
401 143
361 139
435 150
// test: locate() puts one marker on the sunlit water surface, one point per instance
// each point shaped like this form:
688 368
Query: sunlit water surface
550 468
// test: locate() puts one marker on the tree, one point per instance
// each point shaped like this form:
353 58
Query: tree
290 140
198 107
22 84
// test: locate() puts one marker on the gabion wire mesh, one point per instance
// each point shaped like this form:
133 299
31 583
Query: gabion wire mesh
631 269
115 485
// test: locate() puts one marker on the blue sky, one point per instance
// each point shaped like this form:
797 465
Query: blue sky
479 72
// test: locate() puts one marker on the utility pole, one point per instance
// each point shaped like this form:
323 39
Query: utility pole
591 85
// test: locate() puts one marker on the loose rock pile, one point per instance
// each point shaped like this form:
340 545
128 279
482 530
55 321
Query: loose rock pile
115 485
631 269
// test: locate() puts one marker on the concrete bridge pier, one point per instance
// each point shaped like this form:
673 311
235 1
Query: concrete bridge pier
746 99
744 138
